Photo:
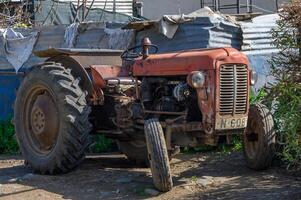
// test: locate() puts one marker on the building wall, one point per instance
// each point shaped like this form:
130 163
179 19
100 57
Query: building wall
121 6
264 6
154 9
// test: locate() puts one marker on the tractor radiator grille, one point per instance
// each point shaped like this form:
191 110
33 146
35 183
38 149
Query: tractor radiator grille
233 89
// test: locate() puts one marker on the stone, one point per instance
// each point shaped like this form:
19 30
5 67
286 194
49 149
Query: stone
186 187
29 176
13 180
151 192
184 180
269 177
202 159
124 180
90 190
104 195
205 181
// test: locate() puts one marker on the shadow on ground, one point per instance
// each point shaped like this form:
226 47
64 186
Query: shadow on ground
111 176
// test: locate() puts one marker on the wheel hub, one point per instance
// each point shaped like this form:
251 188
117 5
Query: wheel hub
38 121
44 122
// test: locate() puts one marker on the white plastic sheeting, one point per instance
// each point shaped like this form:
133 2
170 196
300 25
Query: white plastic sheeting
18 48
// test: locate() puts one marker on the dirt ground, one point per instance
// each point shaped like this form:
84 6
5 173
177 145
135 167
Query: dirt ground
111 176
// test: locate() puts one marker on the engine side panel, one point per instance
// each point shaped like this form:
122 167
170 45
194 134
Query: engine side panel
182 63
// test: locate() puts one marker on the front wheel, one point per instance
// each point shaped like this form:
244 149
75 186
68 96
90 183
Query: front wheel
259 138
158 155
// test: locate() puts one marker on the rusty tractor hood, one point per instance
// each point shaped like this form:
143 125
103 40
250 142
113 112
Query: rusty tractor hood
184 62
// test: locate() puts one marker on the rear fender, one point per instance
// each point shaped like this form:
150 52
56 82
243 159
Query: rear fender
80 61
77 70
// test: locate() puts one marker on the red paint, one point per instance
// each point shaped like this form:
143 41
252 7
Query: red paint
184 62
100 73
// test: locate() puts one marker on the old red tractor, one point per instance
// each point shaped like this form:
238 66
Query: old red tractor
151 104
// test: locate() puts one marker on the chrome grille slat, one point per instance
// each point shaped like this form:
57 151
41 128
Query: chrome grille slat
233 89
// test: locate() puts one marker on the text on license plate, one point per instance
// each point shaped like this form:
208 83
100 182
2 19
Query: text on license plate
231 123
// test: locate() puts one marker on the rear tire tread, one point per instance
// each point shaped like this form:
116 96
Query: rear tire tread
76 138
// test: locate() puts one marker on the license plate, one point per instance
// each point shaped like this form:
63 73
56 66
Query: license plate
231 123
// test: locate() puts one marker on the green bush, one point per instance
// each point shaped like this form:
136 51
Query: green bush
285 100
8 143
284 96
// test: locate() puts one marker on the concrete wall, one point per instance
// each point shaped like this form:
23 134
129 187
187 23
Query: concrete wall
154 9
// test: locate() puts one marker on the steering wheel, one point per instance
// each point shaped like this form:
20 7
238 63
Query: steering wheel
131 55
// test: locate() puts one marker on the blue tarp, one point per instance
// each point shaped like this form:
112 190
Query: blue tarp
8 88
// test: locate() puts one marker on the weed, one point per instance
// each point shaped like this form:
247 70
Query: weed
101 144
141 191
8 143
194 178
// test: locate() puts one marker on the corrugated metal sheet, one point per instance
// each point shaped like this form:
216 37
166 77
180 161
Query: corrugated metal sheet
210 32
253 38
203 32
121 6
52 12
257 38
257 44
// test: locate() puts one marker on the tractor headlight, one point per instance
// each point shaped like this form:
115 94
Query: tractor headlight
253 77
198 79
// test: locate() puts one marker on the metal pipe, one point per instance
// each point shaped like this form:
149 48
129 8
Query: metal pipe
83 10
216 5
164 112
118 81
114 6
251 6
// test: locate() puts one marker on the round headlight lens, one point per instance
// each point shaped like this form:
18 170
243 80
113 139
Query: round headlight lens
254 77
198 79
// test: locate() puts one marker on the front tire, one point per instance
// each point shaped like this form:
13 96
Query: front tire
158 155
52 119
259 138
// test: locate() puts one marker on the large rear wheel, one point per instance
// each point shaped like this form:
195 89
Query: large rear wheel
259 138
158 155
51 119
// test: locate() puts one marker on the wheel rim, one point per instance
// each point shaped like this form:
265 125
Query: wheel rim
41 121
251 139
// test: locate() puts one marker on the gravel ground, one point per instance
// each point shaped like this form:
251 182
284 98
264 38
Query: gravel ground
111 176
